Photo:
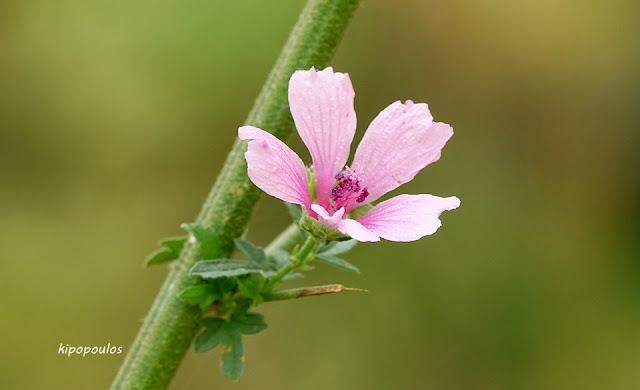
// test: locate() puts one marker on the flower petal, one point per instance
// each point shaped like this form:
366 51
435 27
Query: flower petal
407 217
399 142
330 221
274 167
349 227
357 231
321 104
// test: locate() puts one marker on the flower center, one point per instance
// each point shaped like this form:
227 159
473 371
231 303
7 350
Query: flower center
347 190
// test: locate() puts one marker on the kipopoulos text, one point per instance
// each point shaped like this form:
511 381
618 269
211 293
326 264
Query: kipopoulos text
84 351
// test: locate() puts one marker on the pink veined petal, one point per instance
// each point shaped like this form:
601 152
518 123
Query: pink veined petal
357 231
399 142
321 104
407 217
330 221
274 167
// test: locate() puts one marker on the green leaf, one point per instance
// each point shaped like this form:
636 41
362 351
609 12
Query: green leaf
213 269
233 359
208 241
224 285
281 257
175 244
338 247
246 322
294 210
172 248
202 295
250 287
214 334
292 275
337 261
252 252
160 256
229 334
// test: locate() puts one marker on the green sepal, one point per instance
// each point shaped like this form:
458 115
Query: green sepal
228 333
311 184
171 250
294 210
209 242
320 232
213 269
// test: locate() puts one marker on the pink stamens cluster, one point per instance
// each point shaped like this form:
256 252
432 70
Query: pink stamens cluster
347 189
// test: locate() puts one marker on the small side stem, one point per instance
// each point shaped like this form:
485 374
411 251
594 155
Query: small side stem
295 293
297 262
306 249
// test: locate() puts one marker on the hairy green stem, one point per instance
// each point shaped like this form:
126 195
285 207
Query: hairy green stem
171 324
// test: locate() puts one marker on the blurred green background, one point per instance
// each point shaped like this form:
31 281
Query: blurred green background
116 116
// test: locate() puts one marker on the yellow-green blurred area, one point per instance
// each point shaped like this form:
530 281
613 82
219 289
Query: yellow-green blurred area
116 116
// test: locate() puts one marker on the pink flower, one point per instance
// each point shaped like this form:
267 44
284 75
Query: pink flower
399 142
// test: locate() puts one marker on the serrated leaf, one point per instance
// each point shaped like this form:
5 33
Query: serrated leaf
337 261
172 248
208 241
233 359
294 211
213 269
229 334
202 295
214 334
338 247
246 322
252 252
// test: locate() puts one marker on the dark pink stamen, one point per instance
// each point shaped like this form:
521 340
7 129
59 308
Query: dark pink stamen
347 189
363 195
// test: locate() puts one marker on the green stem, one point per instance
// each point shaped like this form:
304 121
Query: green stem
306 249
297 261
169 328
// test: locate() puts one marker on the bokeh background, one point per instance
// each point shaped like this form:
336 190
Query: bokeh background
116 116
